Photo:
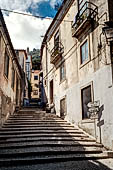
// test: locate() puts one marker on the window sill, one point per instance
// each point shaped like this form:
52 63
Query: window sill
62 81
85 63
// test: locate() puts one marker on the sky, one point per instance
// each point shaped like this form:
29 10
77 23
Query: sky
28 31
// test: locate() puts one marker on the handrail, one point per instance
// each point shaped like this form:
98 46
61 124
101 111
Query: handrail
56 52
59 48
89 8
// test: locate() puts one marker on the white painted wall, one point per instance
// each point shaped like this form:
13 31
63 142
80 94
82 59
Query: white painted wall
96 71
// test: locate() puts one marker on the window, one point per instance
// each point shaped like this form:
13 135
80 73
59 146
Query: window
6 66
56 40
35 77
62 107
35 92
84 52
62 72
36 85
82 5
86 98
13 78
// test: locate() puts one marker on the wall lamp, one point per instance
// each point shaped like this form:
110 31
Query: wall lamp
107 30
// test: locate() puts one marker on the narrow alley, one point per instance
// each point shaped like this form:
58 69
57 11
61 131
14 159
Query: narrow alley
56 85
32 138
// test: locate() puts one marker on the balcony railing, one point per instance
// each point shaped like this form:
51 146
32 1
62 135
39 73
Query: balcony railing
56 53
86 14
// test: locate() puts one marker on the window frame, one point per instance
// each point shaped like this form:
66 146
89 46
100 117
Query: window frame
89 53
35 92
62 78
92 97
35 77
83 60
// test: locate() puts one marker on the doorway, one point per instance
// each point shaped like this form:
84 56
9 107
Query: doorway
86 98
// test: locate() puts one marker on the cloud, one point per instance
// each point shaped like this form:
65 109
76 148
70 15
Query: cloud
26 31
22 5
54 2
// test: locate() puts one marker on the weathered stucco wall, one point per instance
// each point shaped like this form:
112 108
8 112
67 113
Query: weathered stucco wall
8 94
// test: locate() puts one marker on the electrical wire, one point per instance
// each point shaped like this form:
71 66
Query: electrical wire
36 16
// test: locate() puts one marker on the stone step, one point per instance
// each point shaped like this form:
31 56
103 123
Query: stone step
32 110
35 112
34 120
50 159
9 132
40 151
35 125
64 144
53 135
46 139
36 128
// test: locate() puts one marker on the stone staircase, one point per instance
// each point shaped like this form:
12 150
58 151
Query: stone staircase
34 137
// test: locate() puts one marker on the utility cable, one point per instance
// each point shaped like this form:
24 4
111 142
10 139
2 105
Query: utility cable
36 16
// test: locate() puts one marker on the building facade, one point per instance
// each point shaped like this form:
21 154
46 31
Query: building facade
10 75
28 65
22 58
77 65
35 94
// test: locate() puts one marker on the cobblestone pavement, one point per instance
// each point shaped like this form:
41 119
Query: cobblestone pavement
106 164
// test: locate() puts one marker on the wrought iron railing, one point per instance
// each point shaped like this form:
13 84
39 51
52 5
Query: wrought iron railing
57 52
88 11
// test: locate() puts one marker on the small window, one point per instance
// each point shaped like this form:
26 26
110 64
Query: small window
6 66
84 52
36 85
62 72
86 98
35 77
35 92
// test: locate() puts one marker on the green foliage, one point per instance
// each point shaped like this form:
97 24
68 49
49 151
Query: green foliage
36 60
